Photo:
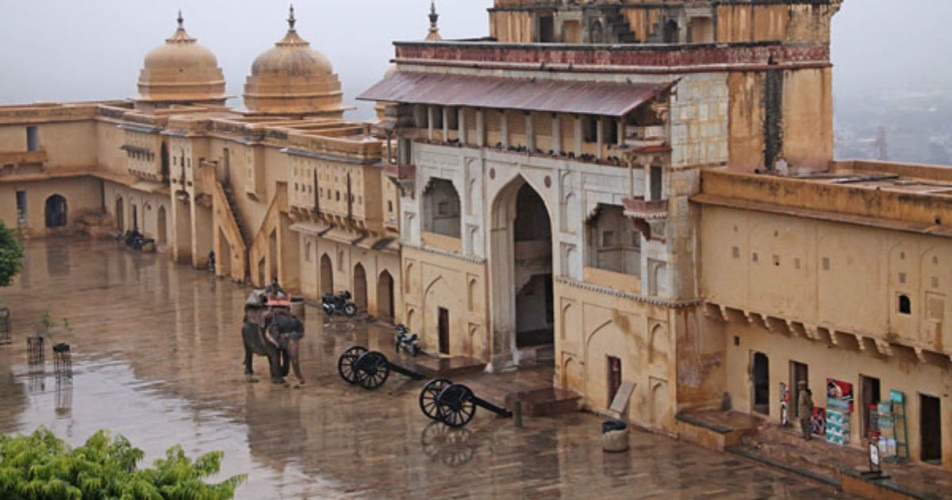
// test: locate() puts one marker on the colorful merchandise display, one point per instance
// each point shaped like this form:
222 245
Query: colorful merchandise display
839 408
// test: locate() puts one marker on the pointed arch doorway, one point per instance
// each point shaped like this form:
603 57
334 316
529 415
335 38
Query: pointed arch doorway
385 296
522 273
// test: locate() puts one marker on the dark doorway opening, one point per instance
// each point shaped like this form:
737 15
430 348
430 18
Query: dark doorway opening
55 211
535 321
546 29
360 286
164 158
120 215
21 208
930 429
614 377
799 372
672 32
657 183
385 296
760 372
444 330
870 395
327 275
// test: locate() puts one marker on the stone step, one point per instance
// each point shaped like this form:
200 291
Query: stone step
455 366
544 402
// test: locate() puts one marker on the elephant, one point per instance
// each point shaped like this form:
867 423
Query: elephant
278 339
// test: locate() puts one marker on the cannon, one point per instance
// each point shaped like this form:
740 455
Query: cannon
369 369
453 404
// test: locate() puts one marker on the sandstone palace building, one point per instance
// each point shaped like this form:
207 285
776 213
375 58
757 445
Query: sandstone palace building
627 191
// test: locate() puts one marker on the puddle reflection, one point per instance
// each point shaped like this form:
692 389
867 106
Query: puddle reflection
447 445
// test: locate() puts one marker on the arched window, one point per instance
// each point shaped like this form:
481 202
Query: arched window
905 304
55 211
441 209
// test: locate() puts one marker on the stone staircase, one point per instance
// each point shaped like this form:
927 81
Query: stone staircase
233 207
617 24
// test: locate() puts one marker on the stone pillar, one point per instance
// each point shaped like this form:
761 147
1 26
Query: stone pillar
480 127
556 133
429 122
578 135
530 133
462 126
446 124
600 133
504 129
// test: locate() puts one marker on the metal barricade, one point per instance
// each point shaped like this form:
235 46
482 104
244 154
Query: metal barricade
35 353
62 362
6 337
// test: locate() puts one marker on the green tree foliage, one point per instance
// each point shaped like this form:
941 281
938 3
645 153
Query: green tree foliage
11 255
42 467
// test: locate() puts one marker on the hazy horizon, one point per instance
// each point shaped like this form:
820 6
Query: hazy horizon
63 50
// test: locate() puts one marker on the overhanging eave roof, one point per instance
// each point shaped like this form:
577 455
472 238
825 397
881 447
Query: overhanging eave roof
523 94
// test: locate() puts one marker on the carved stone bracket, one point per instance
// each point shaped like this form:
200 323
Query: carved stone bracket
884 348
811 332
860 341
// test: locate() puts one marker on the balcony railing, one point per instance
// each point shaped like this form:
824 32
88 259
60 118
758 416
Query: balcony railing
22 158
645 137
400 172
639 208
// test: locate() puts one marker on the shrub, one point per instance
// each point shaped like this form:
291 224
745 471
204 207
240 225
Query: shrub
11 255
42 467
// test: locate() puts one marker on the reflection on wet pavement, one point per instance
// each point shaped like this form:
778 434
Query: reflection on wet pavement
157 357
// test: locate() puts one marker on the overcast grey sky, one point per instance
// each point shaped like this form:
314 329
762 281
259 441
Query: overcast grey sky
69 50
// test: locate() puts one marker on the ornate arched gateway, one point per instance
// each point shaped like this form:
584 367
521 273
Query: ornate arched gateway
521 267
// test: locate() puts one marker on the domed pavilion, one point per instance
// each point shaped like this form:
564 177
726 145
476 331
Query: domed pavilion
181 71
292 79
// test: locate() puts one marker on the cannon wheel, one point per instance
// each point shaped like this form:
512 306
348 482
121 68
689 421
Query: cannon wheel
345 365
372 370
429 394
455 405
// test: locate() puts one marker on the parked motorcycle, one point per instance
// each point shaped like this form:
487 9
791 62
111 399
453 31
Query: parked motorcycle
134 239
407 341
339 303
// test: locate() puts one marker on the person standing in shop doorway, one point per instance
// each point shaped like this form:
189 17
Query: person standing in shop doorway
805 409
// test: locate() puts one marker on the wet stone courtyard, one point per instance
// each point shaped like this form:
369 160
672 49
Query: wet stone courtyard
157 357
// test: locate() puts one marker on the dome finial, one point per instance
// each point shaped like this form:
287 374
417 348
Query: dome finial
291 19
181 20
434 17
434 32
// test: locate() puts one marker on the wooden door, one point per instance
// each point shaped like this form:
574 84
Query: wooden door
444 328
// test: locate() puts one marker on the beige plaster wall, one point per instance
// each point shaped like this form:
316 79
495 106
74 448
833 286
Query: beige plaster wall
344 259
901 372
808 118
433 280
83 196
109 138
592 324
13 138
69 145
150 207
746 134
836 276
